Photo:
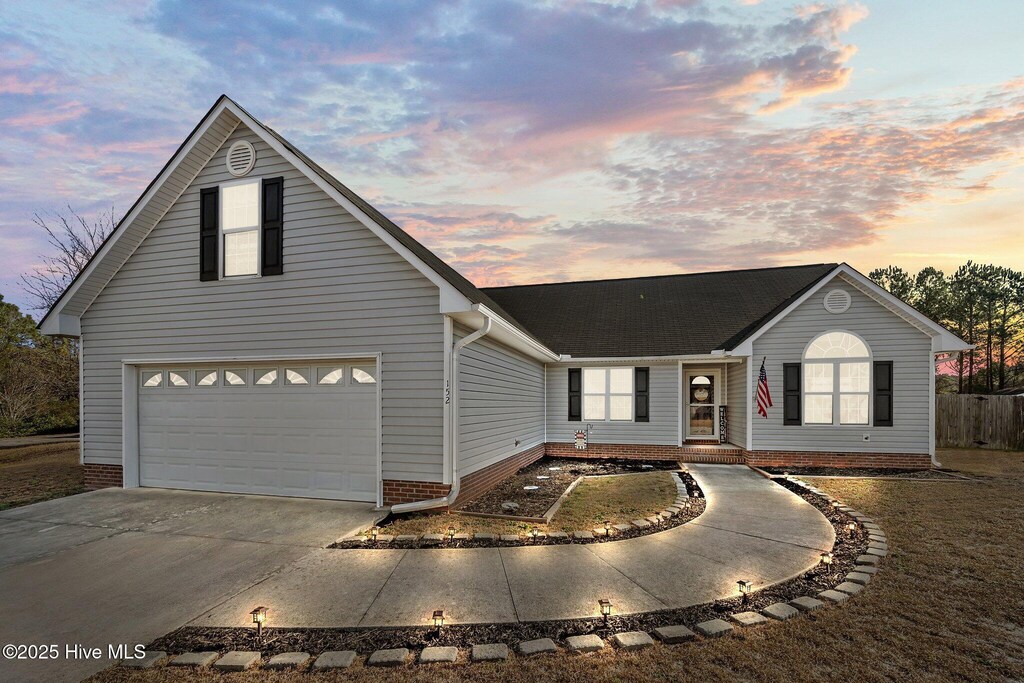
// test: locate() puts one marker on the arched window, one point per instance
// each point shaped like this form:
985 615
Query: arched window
837 380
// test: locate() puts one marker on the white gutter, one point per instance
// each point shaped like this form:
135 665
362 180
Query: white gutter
691 358
453 493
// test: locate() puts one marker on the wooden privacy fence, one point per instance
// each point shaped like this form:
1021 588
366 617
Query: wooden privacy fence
973 420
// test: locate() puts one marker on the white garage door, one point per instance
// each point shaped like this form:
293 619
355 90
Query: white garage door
272 429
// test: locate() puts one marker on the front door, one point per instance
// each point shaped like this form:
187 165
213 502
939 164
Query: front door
702 392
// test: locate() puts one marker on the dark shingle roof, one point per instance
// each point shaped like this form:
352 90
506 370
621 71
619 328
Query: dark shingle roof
670 315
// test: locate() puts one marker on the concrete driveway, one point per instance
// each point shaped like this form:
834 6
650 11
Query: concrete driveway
127 566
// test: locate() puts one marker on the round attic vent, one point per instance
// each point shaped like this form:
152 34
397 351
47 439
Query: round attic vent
241 158
837 301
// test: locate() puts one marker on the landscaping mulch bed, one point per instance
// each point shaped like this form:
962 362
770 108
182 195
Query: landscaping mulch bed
559 473
694 510
364 641
867 472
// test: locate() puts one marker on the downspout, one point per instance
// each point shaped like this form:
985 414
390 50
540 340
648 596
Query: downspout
453 493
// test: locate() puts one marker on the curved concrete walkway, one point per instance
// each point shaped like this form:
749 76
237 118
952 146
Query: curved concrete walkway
752 529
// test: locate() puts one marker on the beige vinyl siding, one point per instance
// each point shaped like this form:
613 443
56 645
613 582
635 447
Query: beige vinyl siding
739 407
343 291
889 337
663 429
501 400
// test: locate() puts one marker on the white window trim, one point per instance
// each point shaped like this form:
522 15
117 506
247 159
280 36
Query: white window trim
221 232
608 394
836 392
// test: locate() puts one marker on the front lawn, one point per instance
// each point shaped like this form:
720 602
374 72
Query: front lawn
617 499
30 474
947 605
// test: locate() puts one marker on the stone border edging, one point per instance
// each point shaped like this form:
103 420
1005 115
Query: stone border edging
864 570
682 503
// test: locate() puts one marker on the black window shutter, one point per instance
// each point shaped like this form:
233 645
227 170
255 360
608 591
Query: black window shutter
575 394
208 234
883 393
642 394
273 226
791 394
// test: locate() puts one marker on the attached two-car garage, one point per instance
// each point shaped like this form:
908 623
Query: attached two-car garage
305 429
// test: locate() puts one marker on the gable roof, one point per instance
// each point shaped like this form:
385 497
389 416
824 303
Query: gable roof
636 317
457 293
669 315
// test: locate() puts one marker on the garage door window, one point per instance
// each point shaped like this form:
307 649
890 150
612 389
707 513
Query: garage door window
177 378
206 378
234 378
296 376
152 378
334 375
265 377
366 374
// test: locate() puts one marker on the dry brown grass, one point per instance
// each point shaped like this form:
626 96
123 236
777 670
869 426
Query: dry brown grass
618 499
31 474
947 606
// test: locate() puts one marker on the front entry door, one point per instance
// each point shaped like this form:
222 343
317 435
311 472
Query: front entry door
702 391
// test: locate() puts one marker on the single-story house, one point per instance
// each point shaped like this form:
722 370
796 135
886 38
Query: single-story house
252 325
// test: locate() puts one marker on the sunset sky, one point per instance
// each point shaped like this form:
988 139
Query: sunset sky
529 142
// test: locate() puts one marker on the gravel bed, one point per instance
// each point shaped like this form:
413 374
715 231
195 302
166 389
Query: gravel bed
866 472
364 641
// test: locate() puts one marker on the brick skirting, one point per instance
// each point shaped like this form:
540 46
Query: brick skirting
920 461
481 481
646 452
102 476
406 491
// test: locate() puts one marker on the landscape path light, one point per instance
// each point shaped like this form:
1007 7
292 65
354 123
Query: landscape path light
745 588
373 532
826 559
438 619
259 616
451 533
606 609
851 527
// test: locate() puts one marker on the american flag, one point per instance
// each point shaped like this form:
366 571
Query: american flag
764 397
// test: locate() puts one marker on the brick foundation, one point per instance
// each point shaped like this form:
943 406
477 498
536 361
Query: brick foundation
686 453
102 476
406 491
908 461
479 482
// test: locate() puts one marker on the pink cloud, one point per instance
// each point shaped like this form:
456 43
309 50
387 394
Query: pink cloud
42 118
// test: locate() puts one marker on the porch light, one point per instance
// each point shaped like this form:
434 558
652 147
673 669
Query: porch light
259 616
826 559
373 533
438 618
451 533
745 588
851 527
606 609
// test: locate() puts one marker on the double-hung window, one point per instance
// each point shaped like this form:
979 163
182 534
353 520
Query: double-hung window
837 380
240 227
608 394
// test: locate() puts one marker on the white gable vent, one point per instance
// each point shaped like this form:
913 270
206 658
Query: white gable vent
837 301
241 158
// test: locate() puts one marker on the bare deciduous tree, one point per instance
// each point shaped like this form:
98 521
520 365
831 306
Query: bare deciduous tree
74 240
